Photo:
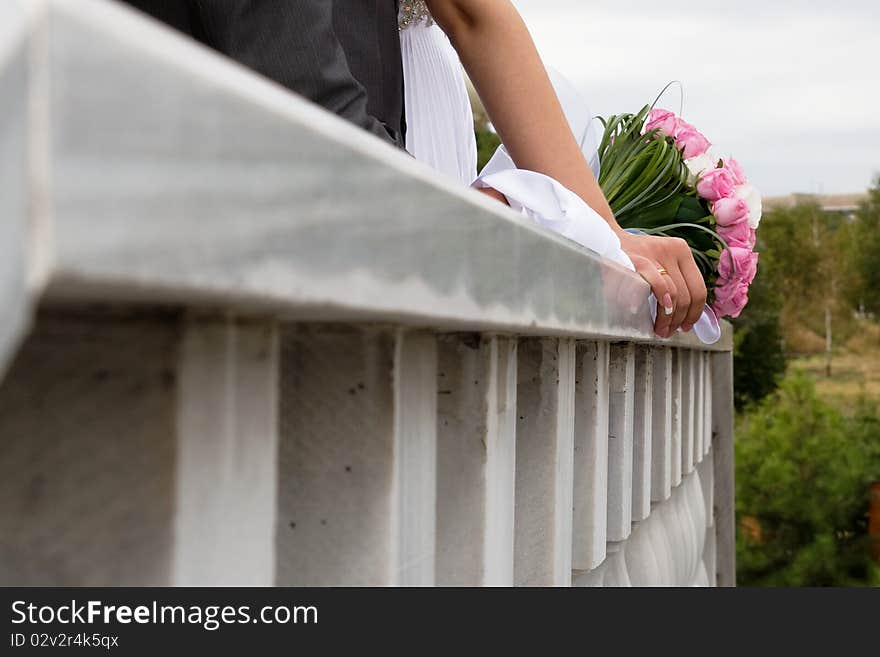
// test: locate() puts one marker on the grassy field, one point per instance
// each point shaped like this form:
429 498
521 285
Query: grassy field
855 368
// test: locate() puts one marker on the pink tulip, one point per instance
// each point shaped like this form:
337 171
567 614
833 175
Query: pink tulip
716 184
739 176
681 125
730 211
738 264
692 141
738 234
730 299
662 119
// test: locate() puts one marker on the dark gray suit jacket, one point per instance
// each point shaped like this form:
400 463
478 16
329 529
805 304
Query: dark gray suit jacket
341 54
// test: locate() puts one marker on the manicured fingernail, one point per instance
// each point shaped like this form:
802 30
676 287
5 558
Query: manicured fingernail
667 301
668 310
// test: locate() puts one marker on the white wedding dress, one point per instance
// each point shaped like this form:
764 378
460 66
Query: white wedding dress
440 133
440 124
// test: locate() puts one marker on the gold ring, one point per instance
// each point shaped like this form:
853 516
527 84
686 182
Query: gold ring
662 271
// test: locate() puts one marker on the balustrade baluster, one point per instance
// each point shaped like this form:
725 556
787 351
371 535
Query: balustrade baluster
643 424
688 410
590 456
357 480
476 443
89 451
679 364
620 441
544 462
227 454
699 362
723 472
14 136
707 404
662 421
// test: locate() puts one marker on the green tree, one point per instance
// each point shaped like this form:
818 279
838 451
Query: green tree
488 140
863 282
810 271
487 143
800 241
803 474
759 348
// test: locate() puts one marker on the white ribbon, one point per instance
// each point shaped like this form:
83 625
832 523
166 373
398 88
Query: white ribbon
552 205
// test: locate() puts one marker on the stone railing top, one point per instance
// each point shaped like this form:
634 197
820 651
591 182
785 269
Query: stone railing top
161 172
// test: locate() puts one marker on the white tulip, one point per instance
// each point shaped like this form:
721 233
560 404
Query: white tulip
752 197
700 164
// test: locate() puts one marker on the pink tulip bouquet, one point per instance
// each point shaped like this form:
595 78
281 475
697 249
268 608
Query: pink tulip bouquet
660 177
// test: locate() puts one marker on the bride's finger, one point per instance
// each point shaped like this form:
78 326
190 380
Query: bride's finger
664 289
682 301
696 290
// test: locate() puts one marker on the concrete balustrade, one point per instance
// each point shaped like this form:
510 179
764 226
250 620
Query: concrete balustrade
680 388
663 408
14 98
643 424
590 528
476 454
620 441
544 462
244 343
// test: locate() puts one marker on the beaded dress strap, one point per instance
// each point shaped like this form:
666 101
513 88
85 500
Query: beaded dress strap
413 12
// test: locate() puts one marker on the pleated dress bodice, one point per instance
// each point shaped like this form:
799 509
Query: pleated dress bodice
440 124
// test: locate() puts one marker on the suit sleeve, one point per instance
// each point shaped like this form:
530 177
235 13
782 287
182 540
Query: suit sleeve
293 43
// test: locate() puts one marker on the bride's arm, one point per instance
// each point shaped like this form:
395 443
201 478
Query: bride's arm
500 57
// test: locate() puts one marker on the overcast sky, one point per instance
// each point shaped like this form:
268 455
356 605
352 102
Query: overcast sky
789 87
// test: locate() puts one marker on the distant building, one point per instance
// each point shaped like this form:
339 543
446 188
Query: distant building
844 204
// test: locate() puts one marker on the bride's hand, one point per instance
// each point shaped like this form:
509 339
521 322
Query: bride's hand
682 281
498 53
494 194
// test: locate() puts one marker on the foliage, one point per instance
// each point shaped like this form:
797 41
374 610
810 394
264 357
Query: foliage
803 472
759 357
823 260
647 185
806 263
487 143
642 175
863 289
807 271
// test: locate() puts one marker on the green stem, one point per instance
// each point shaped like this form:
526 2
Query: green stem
662 229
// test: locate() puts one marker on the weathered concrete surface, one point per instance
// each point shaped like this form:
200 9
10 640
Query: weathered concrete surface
205 187
476 452
723 460
544 462
590 497
620 441
227 453
14 193
661 416
220 194
643 425
87 469
357 468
